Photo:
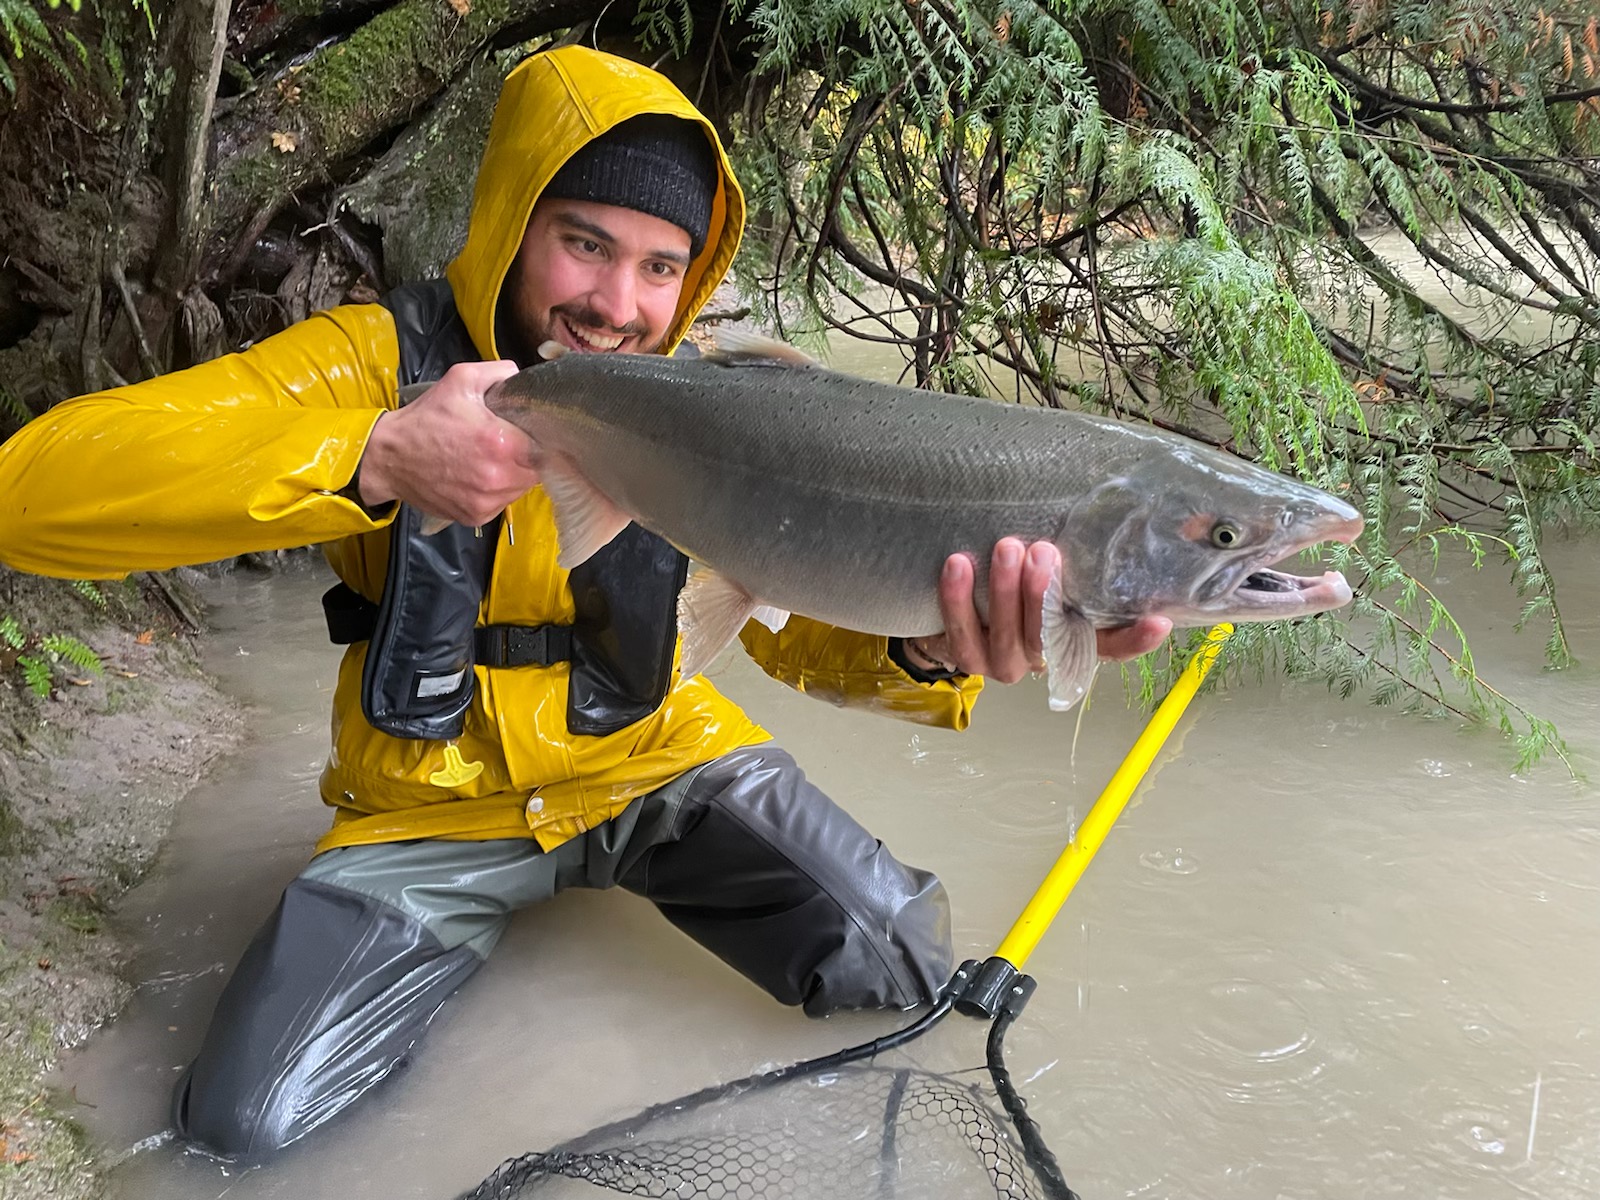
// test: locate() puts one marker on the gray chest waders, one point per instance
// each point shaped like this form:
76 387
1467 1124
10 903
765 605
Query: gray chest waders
423 633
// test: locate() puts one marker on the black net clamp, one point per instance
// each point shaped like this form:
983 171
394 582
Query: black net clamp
995 986
522 645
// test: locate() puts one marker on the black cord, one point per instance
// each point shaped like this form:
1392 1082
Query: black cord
1033 1148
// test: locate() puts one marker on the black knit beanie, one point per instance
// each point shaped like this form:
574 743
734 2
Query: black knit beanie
656 164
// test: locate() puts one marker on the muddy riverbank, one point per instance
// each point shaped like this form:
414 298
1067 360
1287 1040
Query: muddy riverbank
89 778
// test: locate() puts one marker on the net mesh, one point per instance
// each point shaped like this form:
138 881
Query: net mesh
860 1131
847 1126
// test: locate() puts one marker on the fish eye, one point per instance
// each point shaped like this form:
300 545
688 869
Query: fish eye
1225 536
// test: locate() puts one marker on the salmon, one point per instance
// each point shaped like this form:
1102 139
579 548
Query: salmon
803 490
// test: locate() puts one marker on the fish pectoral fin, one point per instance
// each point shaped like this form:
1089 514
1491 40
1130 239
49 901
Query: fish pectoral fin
773 618
585 517
736 348
712 609
1070 652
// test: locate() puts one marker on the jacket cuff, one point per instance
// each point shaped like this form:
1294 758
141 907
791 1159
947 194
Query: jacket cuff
352 492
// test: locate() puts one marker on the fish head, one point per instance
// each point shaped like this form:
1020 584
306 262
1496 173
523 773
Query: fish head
1192 534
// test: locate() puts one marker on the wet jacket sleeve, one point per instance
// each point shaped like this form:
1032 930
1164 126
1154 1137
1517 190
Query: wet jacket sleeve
246 452
854 670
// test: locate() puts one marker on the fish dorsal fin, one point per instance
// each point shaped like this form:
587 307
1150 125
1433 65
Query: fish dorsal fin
737 348
585 518
1070 651
551 350
712 609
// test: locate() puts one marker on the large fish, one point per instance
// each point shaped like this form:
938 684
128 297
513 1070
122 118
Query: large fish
799 489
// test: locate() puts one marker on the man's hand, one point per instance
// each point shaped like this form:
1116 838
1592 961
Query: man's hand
1011 644
448 455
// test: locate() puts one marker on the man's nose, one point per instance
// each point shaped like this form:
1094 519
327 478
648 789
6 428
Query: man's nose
615 299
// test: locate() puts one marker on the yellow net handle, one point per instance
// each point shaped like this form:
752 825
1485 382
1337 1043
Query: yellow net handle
1074 860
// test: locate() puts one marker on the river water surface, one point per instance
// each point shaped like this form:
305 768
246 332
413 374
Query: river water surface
1329 950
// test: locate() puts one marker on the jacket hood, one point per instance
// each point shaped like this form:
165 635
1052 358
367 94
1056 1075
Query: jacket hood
551 105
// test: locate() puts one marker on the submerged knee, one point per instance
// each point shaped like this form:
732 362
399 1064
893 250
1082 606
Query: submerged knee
899 957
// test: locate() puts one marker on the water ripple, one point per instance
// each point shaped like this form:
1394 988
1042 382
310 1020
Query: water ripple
1254 1043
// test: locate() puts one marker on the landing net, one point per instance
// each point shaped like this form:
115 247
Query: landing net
842 1127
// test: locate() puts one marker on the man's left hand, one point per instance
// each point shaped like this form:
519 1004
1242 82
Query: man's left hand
1011 644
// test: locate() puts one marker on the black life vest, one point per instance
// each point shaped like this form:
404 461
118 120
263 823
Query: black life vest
423 635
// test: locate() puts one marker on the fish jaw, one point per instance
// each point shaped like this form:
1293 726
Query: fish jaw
1254 591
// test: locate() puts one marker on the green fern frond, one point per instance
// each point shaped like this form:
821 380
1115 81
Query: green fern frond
71 650
36 673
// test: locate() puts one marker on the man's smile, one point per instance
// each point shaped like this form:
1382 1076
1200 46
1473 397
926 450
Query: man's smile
589 338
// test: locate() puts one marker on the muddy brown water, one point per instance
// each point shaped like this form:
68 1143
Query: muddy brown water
1329 950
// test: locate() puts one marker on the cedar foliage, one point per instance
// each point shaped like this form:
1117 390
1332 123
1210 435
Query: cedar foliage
1186 212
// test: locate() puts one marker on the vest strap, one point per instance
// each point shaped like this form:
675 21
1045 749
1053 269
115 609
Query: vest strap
522 645
352 617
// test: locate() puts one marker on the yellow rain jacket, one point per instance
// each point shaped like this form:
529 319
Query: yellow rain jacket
249 452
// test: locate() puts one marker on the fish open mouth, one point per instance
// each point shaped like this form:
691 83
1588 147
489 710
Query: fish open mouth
1269 589
1272 581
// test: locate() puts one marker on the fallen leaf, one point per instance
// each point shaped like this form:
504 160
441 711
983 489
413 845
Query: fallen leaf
44 964
284 143
461 6
146 637
78 682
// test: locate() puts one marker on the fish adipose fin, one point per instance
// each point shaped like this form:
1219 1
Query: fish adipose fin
1070 651
712 609
585 519
739 349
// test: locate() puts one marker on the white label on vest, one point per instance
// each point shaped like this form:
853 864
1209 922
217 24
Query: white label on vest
438 685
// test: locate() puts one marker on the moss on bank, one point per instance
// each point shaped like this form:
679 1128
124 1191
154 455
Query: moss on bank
89 778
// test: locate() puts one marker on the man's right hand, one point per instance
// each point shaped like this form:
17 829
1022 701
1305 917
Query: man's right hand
446 454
